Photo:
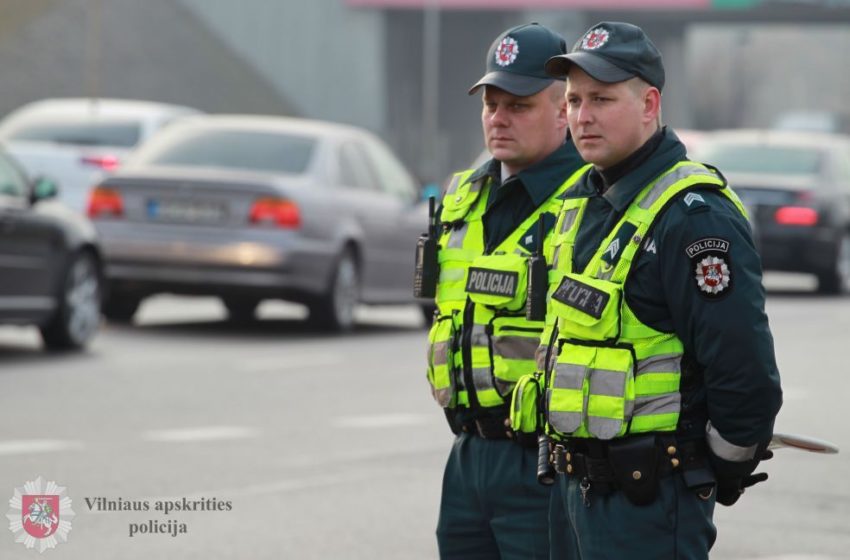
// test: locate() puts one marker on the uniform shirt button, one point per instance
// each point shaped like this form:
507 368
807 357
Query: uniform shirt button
636 475
569 469
674 462
671 450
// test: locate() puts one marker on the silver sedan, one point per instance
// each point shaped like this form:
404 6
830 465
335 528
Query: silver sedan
249 208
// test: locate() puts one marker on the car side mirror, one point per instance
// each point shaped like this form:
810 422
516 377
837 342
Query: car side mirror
42 188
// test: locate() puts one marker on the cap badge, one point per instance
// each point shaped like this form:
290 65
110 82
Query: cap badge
507 52
595 38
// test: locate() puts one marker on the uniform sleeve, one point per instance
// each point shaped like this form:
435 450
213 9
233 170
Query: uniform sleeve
711 276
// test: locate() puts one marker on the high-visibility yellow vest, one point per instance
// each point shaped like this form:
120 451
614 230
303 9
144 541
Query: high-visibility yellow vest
481 343
608 374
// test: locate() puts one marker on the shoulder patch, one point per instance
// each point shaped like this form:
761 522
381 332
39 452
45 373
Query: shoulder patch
695 203
711 266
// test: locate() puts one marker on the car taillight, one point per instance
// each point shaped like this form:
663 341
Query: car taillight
105 162
105 202
276 211
796 216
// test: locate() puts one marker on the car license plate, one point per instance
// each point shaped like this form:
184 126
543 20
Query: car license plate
190 211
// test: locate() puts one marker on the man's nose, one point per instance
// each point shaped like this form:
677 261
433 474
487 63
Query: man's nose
499 117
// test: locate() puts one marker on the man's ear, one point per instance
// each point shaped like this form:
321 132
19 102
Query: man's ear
651 104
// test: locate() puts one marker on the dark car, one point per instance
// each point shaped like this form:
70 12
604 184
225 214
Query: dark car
50 273
249 208
796 187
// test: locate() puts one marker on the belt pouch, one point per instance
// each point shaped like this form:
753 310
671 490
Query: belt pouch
634 461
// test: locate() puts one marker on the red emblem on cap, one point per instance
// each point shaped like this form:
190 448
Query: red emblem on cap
507 51
595 38
712 275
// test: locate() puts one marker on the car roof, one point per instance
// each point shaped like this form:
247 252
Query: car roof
823 140
270 123
99 107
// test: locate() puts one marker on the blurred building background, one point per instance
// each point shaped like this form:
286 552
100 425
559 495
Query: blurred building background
402 67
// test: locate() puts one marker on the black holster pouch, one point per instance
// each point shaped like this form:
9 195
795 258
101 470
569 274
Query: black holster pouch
696 470
453 421
635 462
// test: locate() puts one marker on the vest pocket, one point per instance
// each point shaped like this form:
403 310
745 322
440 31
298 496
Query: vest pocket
513 346
441 350
524 414
591 390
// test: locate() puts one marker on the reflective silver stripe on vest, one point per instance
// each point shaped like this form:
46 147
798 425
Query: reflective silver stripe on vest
442 395
569 219
482 379
669 403
451 274
607 382
456 237
555 257
726 450
603 428
479 336
540 357
569 376
668 180
515 347
440 353
663 363
476 186
453 185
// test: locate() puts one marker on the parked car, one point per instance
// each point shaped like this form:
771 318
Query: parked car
249 208
76 141
50 273
796 187
814 121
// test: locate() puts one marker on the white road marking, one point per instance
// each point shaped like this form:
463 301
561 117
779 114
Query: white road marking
206 433
25 446
380 421
280 363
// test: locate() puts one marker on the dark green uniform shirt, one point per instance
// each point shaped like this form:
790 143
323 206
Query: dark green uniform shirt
729 368
512 201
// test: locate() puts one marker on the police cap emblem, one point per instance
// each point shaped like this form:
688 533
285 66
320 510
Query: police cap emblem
507 52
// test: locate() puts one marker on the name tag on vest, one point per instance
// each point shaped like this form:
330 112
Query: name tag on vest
581 296
491 282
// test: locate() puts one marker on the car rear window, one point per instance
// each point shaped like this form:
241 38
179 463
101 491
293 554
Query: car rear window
125 135
747 158
251 150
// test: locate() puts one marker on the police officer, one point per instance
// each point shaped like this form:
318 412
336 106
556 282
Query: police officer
661 386
480 342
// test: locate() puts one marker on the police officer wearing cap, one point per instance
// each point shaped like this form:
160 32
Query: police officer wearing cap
480 342
661 387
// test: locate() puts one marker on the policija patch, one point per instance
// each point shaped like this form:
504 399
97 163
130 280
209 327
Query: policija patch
710 263
491 282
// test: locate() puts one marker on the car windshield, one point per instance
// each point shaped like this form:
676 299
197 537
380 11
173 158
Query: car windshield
748 158
84 133
252 150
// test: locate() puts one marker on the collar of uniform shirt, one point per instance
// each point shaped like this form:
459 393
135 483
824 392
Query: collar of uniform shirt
541 179
620 184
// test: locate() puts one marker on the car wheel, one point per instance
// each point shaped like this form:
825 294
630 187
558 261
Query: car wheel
78 314
120 307
241 309
836 280
334 311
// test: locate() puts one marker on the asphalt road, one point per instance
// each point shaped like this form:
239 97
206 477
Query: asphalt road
330 447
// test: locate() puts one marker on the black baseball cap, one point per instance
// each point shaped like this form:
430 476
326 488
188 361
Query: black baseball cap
612 51
516 59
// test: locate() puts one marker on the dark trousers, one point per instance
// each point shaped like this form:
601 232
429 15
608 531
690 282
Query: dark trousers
492 506
676 526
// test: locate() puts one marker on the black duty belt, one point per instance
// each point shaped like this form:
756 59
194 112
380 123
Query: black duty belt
491 427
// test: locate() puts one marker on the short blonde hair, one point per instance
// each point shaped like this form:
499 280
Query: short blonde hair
638 86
